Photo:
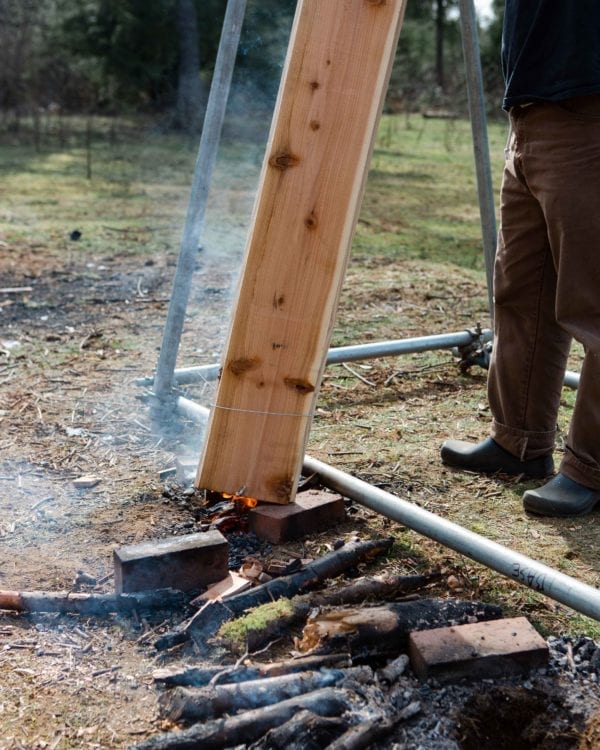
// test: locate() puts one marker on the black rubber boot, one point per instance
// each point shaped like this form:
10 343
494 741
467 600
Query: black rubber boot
561 496
488 457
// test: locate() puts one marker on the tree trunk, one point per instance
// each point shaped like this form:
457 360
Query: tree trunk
440 23
190 91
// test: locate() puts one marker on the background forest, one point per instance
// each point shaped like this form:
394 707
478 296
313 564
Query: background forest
155 57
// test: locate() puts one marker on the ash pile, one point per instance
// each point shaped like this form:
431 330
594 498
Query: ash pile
317 653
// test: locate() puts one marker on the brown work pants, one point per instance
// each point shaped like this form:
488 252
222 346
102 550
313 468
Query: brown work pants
547 283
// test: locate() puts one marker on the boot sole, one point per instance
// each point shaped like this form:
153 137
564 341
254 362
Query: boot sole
531 501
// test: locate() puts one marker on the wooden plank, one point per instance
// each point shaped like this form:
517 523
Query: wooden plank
311 187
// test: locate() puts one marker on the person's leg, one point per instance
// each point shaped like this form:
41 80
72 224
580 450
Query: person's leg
530 349
566 177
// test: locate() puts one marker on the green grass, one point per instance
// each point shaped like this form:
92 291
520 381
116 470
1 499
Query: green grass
421 198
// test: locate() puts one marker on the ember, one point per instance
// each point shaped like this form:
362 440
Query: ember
241 501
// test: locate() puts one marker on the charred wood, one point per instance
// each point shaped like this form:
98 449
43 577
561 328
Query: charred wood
91 604
207 620
250 725
385 629
206 703
269 625
394 669
365 735
305 731
371 733
201 676
374 588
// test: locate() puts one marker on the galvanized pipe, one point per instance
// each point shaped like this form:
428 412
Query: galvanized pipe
205 162
192 411
350 353
405 346
537 576
532 573
481 149
572 379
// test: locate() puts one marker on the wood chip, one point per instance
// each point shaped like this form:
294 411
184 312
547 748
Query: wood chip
231 584
86 482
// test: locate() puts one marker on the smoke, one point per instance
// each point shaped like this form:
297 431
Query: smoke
234 185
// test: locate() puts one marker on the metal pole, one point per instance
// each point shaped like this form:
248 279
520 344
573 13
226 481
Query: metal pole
532 573
192 411
487 209
536 575
205 162
572 379
351 353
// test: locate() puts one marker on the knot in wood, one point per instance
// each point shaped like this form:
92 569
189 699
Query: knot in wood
283 160
242 365
299 385
310 221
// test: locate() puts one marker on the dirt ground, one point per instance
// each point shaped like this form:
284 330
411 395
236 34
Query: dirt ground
72 344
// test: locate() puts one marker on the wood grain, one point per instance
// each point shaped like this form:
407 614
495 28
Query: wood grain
310 192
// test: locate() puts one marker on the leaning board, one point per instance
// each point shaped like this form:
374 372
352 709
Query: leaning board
311 186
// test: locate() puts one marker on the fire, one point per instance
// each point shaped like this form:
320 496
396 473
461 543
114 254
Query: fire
242 500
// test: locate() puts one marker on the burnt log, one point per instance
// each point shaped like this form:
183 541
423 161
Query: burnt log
384 630
205 623
211 702
92 604
365 735
265 623
305 731
374 588
201 676
251 725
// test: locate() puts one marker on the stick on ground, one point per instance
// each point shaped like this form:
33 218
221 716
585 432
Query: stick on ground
250 725
213 614
206 703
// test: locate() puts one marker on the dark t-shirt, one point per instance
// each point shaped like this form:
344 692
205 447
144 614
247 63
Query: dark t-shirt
550 49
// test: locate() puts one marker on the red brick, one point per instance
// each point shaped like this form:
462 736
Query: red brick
187 563
312 511
484 649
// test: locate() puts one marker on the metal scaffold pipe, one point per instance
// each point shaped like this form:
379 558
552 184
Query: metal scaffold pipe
205 162
352 353
558 586
532 573
481 149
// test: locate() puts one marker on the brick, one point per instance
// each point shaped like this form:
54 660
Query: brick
187 563
483 649
312 511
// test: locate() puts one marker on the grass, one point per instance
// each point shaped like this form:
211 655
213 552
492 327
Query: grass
235 633
416 268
